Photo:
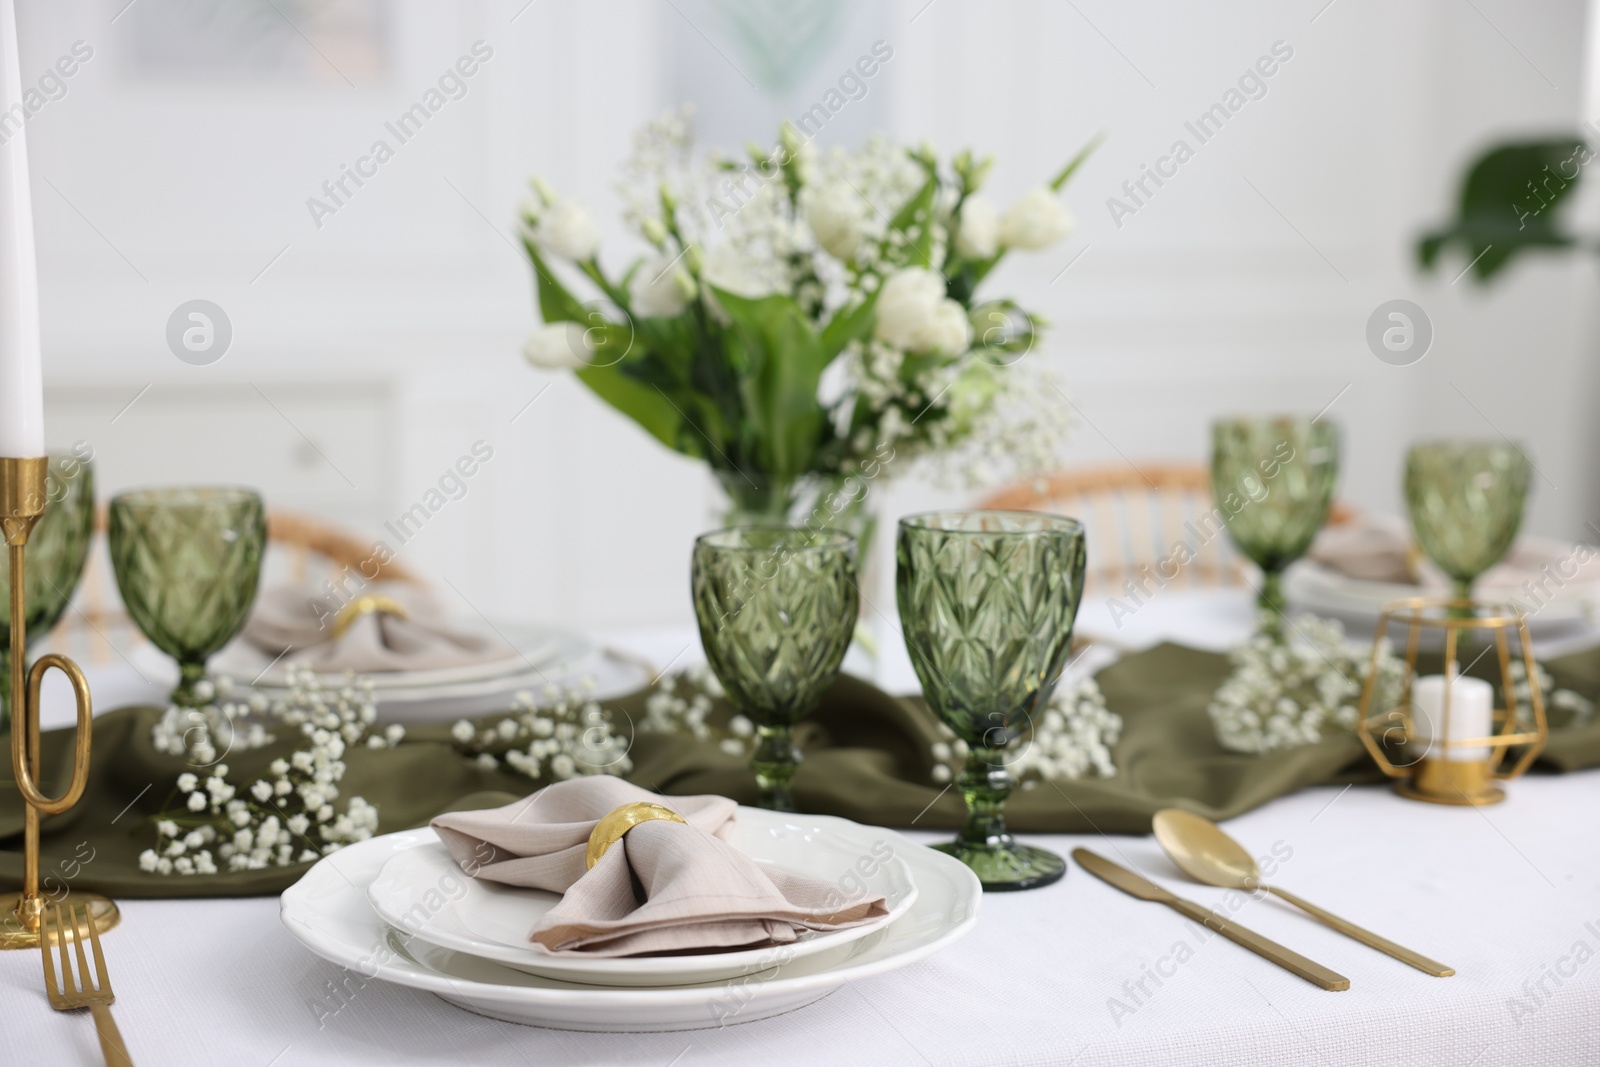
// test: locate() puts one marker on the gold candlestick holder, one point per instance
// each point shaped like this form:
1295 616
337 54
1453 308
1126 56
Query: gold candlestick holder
1452 769
22 501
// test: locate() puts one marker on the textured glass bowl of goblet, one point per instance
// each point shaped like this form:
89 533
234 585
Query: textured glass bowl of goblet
188 561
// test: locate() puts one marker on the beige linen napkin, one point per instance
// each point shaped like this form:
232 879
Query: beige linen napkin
301 622
700 893
1372 549
1375 550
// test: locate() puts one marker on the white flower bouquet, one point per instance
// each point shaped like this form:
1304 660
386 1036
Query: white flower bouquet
805 317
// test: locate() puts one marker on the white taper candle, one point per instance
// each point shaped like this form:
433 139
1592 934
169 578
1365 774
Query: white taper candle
21 382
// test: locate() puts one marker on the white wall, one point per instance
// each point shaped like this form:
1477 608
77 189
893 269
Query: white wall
375 350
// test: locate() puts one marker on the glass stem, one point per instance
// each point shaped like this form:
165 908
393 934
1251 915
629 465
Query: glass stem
1462 590
985 783
1271 603
190 675
775 760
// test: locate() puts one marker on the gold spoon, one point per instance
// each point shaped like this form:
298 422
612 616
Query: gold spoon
1207 854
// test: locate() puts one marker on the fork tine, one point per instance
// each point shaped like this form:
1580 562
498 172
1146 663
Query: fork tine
84 977
69 984
44 950
102 979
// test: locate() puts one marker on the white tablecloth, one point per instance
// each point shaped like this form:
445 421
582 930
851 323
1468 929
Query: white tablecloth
1075 973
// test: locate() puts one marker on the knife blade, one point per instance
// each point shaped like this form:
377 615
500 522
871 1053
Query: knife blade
1136 885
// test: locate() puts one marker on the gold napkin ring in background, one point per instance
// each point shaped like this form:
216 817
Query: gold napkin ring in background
618 821
366 605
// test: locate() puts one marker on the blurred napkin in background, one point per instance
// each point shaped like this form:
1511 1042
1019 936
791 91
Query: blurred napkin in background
1378 548
700 893
421 639
1373 548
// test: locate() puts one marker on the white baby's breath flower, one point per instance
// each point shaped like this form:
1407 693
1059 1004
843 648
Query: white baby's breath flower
462 731
1038 220
1285 695
187 782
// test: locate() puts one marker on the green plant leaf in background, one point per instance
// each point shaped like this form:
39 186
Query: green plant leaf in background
780 360
1510 201
646 405
556 302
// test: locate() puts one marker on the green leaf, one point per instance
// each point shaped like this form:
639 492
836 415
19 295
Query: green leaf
647 405
1510 201
1075 162
556 304
780 360
849 324
914 221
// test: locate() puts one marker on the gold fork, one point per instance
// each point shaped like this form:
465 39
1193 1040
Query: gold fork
76 992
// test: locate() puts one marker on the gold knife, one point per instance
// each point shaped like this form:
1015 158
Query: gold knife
1139 886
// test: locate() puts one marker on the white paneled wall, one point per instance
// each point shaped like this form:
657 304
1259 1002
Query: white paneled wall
372 351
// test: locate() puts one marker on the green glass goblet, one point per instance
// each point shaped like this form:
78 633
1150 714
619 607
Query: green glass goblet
1466 500
776 606
57 549
187 563
1272 481
987 602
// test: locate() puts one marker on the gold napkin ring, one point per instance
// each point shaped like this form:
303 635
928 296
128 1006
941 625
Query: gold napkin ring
366 605
618 821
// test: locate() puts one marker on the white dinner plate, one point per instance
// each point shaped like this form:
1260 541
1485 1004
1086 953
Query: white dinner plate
328 912
424 893
1322 590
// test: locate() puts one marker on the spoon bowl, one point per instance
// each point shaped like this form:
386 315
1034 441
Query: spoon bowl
1204 852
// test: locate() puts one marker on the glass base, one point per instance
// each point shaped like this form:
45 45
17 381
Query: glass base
1002 868
13 934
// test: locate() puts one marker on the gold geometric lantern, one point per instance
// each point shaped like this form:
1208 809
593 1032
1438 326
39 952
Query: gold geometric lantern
1452 736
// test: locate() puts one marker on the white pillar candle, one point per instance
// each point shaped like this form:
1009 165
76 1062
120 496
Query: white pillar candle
1471 715
21 383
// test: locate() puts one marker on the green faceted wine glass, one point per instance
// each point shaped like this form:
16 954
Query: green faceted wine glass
987 602
1272 481
776 606
57 549
1466 500
188 561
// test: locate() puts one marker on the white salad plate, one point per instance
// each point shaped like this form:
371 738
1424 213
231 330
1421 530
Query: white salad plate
327 911
423 892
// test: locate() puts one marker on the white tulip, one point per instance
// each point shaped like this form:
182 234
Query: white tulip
947 332
979 235
660 288
835 215
1038 220
559 346
565 228
908 301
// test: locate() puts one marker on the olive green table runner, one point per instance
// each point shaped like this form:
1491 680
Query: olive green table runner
867 758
